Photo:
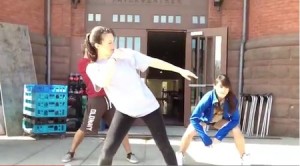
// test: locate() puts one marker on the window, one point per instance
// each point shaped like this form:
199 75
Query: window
166 19
115 18
129 42
198 20
116 41
218 47
177 19
163 19
202 20
137 44
137 18
195 19
170 19
121 43
129 18
122 18
98 17
156 19
90 17
125 18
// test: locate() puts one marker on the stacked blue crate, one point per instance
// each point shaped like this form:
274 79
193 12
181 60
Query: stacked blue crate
45 109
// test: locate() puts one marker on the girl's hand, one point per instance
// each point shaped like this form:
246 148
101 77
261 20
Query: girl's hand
216 141
187 74
119 54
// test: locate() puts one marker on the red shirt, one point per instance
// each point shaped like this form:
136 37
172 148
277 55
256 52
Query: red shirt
90 91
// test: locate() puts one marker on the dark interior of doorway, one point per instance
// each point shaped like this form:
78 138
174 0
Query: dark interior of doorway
170 47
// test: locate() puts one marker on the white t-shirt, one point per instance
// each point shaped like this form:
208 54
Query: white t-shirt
129 94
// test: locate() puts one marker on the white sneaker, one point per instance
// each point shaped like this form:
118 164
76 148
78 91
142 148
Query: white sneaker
179 157
245 159
132 158
68 157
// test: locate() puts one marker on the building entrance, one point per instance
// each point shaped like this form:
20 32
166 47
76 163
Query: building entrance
168 87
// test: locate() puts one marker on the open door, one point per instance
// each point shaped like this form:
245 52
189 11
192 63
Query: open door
206 56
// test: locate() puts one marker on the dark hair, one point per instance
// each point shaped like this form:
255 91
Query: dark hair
230 97
83 47
95 36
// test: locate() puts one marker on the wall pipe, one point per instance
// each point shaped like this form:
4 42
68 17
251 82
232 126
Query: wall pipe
48 38
242 48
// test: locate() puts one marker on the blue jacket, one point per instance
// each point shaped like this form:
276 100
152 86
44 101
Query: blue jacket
204 112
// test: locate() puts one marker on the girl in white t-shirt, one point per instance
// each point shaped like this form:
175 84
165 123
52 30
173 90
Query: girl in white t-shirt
115 70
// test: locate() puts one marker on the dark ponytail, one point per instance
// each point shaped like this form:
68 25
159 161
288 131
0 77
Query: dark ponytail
83 48
91 50
232 101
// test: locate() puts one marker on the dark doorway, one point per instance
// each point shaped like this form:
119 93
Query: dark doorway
168 86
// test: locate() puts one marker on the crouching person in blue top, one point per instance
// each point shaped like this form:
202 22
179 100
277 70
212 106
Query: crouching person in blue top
217 108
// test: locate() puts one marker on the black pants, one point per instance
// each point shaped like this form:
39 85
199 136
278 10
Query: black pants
120 126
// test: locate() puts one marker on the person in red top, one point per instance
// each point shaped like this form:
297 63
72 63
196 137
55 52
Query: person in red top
98 106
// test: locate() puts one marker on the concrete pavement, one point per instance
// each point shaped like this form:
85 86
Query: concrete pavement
50 150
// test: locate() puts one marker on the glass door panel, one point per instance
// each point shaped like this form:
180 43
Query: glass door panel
206 56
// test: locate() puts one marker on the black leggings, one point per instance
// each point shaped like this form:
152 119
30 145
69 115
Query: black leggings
120 126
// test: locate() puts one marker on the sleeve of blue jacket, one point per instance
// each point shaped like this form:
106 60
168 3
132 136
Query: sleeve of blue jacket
196 115
234 121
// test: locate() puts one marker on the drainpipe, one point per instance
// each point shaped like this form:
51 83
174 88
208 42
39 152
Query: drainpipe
48 40
242 48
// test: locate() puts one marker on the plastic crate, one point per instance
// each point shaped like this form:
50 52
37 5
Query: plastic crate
40 88
46 104
45 100
34 93
45 112
32 97
31 128
42 121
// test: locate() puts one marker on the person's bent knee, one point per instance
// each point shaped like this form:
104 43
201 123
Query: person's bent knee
190 132
236 131
81 131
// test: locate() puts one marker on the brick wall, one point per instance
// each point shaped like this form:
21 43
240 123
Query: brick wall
61 18
29 13
78 19
78 34
272 60
214 16
67 33
67 29
273 17
266 17
230 15
272 66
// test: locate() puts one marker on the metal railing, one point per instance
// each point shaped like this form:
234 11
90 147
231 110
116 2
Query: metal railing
255 114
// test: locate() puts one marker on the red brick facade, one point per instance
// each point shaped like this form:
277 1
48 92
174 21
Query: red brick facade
230 15
29 12
66 20
269 18
266 18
